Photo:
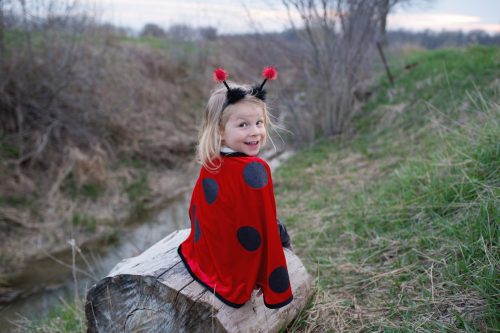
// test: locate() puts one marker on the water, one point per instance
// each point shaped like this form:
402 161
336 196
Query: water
50 280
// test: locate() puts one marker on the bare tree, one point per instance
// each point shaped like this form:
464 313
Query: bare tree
339 37
38 73
385 7
153 30
208 33
182 32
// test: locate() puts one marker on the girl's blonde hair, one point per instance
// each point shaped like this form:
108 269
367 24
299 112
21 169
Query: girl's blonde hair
214 121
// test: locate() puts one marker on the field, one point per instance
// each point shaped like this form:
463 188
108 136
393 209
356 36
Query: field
399 224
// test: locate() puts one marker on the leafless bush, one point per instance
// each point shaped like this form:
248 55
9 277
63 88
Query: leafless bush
44 64
338 37
182 32
65 83
323 62
153 30
153 106
208 33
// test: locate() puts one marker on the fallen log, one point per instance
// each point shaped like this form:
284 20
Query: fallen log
153 292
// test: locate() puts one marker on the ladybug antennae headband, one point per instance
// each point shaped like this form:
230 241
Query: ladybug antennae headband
233 95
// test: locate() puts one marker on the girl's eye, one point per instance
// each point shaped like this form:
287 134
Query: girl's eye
260 122
243 125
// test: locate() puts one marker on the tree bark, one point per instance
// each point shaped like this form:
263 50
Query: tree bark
153 292
386 66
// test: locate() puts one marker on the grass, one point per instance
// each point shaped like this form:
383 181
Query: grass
182 56
18 41
399 225
160 43
439 80
170 45
15 201
138 191
8 151
88 223
415 249
65 318
90 190
400 228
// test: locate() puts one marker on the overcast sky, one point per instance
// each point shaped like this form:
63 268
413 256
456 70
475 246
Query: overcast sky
236 16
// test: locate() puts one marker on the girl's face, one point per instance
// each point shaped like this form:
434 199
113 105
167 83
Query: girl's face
244 130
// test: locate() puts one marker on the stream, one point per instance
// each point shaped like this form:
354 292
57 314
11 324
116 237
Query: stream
50 281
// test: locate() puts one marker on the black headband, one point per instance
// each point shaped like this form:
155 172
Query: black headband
234 95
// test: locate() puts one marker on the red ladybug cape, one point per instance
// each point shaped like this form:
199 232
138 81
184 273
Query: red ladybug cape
234 244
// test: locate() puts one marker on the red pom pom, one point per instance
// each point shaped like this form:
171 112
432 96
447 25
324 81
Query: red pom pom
220 75
270 73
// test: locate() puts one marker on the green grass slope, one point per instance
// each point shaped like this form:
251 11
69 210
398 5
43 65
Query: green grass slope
400 226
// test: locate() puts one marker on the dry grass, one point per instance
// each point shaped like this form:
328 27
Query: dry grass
393 231
111 149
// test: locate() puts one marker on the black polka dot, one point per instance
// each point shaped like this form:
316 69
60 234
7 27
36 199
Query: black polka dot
255 175
197 230
211 189
249 238
278 280
192 212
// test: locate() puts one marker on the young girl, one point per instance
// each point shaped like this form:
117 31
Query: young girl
234 246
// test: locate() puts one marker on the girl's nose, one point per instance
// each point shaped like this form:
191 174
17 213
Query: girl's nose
255 131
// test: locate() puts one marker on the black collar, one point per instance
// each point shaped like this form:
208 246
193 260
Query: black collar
233 154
